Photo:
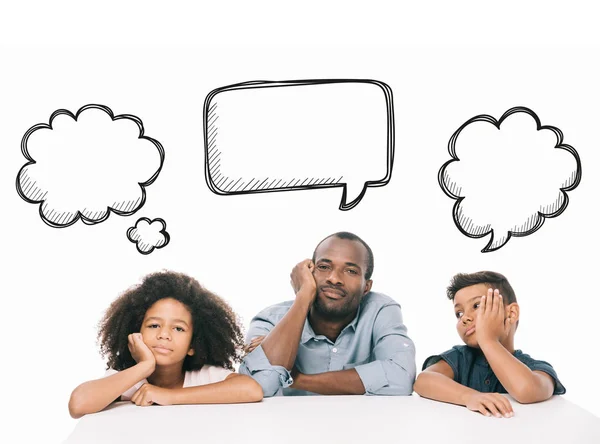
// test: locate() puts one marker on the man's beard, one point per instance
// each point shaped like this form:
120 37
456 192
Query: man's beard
338 312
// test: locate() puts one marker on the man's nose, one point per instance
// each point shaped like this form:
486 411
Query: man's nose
334 277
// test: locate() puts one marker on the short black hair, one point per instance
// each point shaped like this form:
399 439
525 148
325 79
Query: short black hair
353 237
489 278
217 337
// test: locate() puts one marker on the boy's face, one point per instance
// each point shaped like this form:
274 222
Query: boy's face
466 304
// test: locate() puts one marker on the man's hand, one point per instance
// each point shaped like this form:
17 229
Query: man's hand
302 279
490 404
140 351
255 342
149 394
491 324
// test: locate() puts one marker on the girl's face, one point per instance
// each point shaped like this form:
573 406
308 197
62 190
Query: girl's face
167 331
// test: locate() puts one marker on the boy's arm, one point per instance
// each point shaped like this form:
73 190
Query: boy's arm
523 384
235 388
437 382
93 396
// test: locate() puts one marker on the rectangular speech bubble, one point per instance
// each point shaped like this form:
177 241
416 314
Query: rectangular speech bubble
266 136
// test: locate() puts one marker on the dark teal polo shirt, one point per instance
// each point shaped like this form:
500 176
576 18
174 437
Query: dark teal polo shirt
471 369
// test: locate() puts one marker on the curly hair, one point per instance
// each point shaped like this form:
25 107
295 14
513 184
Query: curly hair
217 337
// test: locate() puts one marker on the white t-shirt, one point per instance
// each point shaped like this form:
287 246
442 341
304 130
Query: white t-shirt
208 374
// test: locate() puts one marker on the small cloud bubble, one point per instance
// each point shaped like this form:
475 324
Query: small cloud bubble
148 234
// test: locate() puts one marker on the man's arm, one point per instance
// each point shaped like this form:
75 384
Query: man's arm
437 382
281 344
523 384
391 373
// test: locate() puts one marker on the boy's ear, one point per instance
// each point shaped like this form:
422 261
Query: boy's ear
512 312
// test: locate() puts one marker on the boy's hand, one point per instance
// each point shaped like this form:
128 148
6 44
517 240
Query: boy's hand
490 404
491 325
149 394
139 350
302 278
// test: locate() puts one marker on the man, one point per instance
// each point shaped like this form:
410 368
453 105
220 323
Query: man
337 337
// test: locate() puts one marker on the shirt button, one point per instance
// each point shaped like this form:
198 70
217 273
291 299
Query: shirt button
334 350
486 382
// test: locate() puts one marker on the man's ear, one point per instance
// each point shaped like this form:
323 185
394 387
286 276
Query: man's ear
368 286
512 312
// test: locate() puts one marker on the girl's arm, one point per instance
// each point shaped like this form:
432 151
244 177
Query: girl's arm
94 396
235 388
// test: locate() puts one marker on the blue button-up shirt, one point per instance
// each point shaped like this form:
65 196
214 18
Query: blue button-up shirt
375 344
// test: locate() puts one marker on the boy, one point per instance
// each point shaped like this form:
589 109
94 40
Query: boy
475 374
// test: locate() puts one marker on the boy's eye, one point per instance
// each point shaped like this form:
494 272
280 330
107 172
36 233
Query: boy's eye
458 314
153 326
476 305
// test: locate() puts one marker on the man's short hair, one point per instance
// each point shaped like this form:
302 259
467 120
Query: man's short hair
490 278
352 237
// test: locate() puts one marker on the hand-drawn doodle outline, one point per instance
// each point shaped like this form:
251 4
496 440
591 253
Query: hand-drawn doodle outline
75 116
456 211
212 154
136 238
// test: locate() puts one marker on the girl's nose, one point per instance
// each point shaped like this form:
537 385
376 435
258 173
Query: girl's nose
164 333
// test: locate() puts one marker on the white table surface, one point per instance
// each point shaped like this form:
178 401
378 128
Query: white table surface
337 419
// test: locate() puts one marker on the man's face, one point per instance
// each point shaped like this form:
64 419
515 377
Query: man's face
340 266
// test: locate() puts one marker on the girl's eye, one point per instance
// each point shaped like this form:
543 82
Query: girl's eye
476 306
153 326
179 329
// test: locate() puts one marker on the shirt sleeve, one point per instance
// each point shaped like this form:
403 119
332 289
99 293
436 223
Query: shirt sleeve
393 371
545 367
451 357
272 378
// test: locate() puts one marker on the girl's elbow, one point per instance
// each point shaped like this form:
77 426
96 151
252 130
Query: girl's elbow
76 406
255 391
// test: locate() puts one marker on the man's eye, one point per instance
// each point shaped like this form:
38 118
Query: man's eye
322 267
352 271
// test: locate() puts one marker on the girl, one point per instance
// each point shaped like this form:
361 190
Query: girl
167 341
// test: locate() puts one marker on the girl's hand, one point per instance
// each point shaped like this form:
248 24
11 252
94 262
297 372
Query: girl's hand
149 394
139 350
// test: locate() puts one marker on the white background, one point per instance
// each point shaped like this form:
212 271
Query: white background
444 63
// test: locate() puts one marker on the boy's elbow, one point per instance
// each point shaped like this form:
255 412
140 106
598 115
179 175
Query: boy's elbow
528 395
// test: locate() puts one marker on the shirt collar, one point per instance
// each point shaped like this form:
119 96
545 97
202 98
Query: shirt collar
308 333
